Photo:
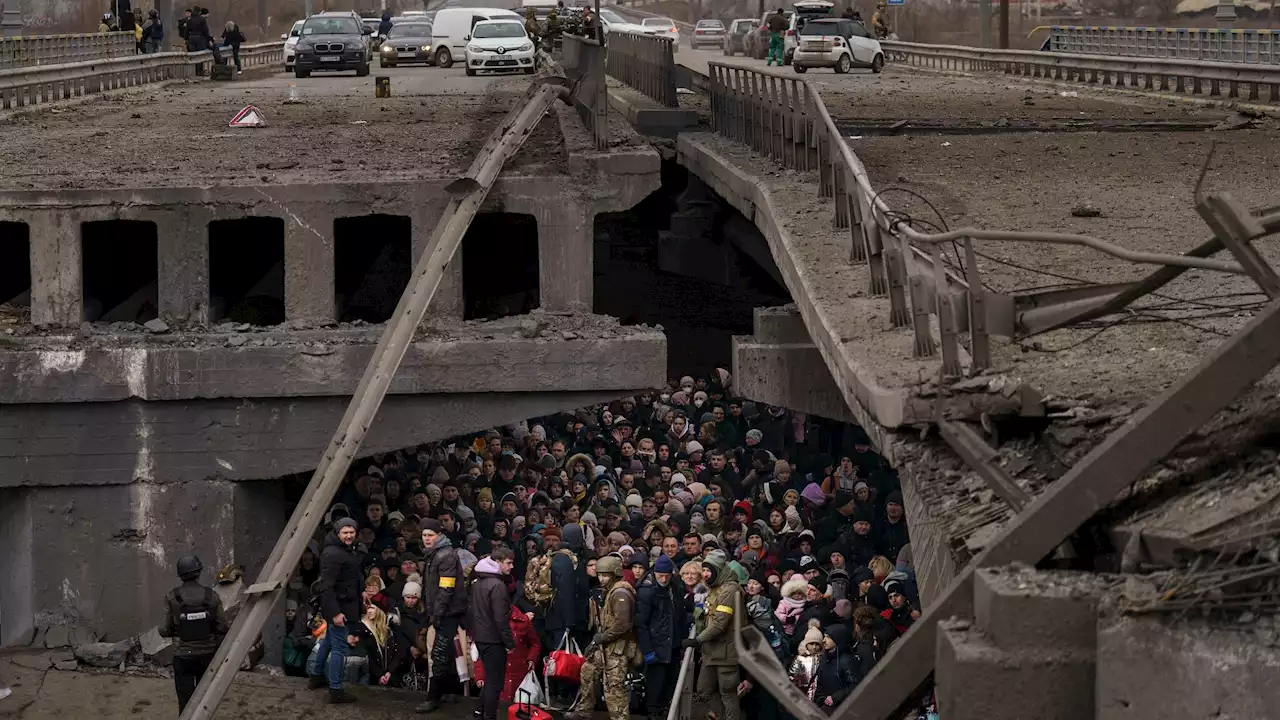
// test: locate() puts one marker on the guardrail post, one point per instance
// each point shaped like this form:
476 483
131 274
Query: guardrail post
979 335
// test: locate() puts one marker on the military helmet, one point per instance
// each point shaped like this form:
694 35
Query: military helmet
609 565
189 565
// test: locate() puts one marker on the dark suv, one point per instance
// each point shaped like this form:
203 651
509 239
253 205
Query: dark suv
332 41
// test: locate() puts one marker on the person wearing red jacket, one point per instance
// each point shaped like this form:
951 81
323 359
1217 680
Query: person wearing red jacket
519 661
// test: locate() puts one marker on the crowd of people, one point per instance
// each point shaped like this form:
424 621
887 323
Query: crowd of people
619 535
193 29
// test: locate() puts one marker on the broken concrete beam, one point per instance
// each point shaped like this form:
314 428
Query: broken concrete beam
1017 609
789 375
781 324
57 636
156 649
975 678
104 655
67 665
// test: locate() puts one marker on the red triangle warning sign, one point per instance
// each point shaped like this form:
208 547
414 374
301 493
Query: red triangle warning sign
250 116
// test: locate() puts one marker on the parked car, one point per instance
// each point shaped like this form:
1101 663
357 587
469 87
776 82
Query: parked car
707 32
332 42
290 42
735 40
408 42
611 21
453 25
499 45
837 43
663 27
804 11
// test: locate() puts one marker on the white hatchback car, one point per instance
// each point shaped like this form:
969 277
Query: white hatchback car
837 43
499 45
291 42
663 27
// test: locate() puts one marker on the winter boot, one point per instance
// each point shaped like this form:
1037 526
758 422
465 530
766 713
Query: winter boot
339 697
429 706
315 682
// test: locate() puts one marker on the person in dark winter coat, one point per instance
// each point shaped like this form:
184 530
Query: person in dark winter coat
489 622
660 626
568 611
859 544
892 534
837 670
445 603
340 586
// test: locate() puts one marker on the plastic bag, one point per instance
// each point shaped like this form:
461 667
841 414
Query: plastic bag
530 690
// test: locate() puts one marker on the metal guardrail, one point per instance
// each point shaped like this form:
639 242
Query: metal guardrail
1188 77
1233 46
584 64
646 63
36 50
25 87
784 118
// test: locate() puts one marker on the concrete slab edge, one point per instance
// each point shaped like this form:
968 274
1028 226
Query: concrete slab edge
877 408
659 119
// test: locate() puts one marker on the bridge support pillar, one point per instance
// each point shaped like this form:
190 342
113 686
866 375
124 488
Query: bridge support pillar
780 365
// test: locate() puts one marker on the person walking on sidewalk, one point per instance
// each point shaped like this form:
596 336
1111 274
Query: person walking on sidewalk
489 620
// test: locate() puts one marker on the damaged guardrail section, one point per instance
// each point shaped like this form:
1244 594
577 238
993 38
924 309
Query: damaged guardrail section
584 65
646 63
1185 77
24 87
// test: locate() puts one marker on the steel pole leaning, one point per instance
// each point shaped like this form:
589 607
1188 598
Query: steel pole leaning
468 194
680 709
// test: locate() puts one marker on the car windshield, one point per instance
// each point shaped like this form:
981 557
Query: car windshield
611 16
818 27
411 30
297 28
331 26
713 24
658 22
743 26
498 30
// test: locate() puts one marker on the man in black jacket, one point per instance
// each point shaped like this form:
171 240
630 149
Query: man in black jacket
194 617
660 626
445 603
340 586
489 620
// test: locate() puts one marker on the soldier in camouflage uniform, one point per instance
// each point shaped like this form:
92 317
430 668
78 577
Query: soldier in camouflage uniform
719 672
612 648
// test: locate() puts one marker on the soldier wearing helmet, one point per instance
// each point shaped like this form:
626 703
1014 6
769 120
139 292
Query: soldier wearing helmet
612 648
880 21
194 618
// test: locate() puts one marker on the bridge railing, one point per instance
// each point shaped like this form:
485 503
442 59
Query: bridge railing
1190 77
646 63
584 63
784 118
24 87
36 50
1233 46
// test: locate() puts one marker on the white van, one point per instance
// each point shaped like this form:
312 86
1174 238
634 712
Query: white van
452 27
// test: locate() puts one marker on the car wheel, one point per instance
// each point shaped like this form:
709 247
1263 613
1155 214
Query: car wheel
877 63
470 72
800 69
843 64
385 64
530 71
300 73
363 70
444 58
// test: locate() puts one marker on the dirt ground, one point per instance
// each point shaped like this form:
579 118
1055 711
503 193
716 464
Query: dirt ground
178 135
110 695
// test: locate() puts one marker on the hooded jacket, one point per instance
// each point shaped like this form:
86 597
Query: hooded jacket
341 581
441 594
568 610
489 609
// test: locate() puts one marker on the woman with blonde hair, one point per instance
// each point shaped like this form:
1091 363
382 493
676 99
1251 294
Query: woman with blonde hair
387 657
881 566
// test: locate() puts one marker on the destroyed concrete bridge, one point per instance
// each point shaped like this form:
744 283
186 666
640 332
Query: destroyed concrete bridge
195 304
